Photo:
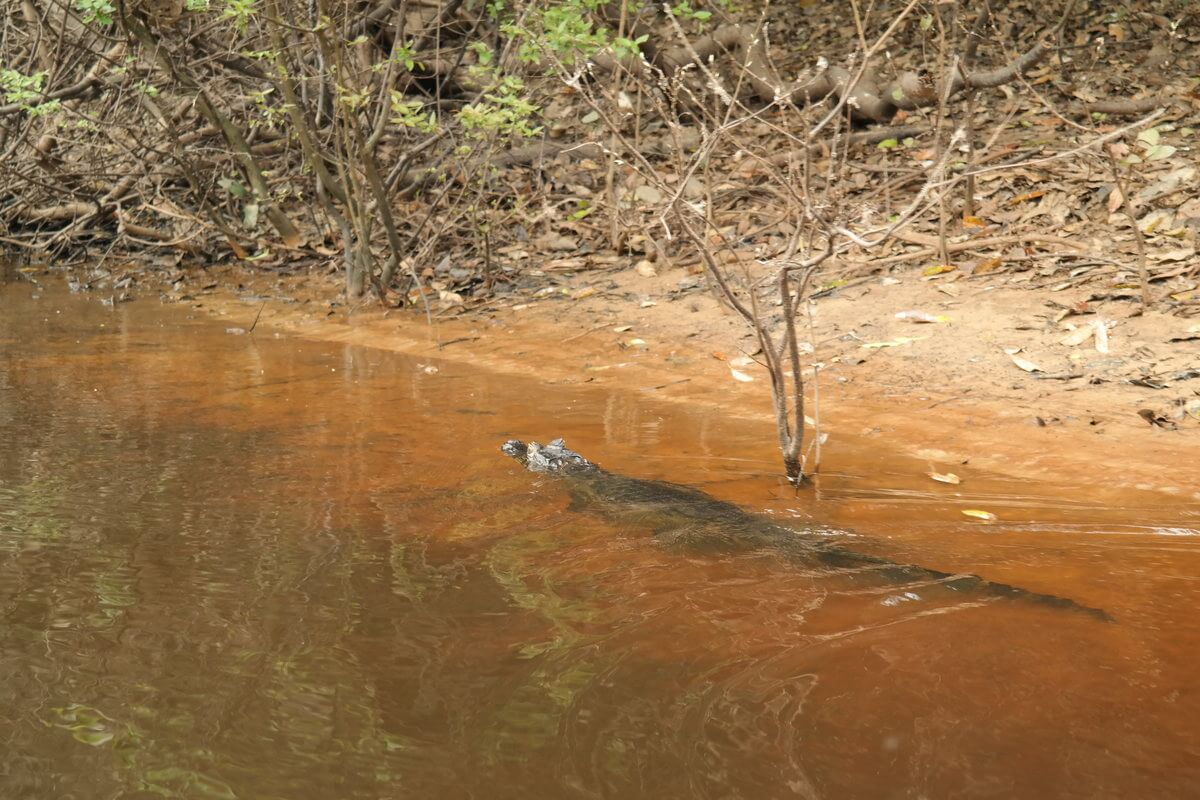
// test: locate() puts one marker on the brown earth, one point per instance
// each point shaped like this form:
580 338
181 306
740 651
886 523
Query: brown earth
946 392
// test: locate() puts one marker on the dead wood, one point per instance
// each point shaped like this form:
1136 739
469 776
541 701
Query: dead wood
974 244
535 153
1120 107
65 212
869 98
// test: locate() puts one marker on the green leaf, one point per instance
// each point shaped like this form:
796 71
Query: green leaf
888 144
1159 152
233 186
92 737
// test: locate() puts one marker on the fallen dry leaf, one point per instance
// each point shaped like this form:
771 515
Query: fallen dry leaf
1101 335
1158 219
1024 363
1170 184
1077 336
945 477
920 316
1023 198
979 514
740 376
1178 254
648 194
1115 199
899 341
990 265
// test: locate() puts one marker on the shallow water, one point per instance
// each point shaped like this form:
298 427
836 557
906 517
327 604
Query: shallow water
261 567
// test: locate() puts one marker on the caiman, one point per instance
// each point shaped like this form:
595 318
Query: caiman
687 516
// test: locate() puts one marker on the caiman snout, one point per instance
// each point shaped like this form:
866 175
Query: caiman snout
553 457
514 448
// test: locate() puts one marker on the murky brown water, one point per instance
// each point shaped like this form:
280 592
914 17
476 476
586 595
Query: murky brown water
257 567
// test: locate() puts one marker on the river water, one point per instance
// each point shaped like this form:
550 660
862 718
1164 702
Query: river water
252 566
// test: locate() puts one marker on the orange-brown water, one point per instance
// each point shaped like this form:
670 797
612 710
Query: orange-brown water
257 567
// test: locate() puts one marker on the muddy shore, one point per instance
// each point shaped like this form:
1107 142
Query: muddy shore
949 393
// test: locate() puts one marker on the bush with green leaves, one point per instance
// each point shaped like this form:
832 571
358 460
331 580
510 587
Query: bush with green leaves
96 11
26 92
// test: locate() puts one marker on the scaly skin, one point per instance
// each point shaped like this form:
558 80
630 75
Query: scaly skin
688 516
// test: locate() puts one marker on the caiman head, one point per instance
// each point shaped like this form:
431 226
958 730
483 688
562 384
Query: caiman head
553 457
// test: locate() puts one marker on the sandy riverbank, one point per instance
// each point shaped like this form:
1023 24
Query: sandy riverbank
945 392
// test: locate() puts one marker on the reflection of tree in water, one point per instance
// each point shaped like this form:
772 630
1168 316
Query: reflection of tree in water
200 611
196 620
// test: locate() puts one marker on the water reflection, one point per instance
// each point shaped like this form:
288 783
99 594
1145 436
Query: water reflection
259 568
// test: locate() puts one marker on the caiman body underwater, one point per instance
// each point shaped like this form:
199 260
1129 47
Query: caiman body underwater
688 517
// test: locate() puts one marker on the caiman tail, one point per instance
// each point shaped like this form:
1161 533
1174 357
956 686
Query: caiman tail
715 525
926 582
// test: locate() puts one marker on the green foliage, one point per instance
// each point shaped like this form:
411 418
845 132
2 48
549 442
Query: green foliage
684 10
351 99
411 114
405 56
502 111
100 11
24 90
271 114
20 88
240 11
562 29
482 52
582 210
41 109
233 186
197 6
568 32
623 47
